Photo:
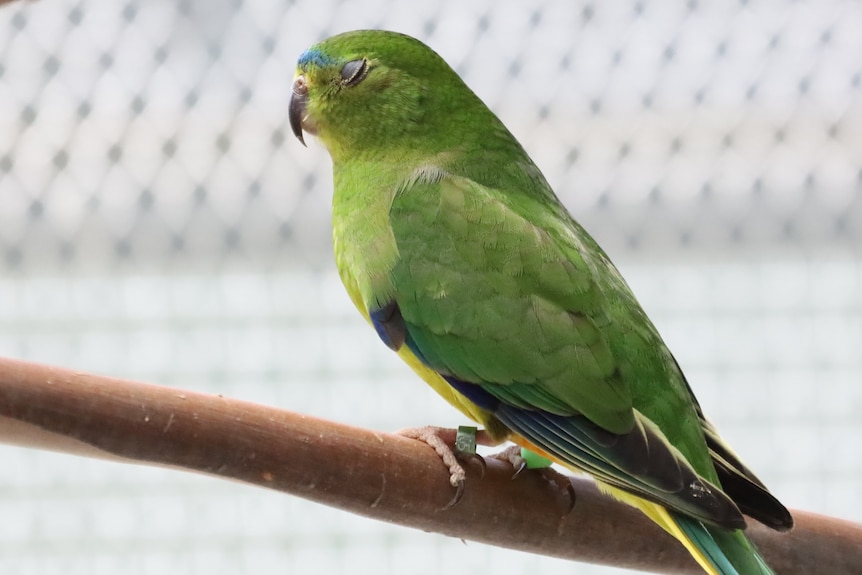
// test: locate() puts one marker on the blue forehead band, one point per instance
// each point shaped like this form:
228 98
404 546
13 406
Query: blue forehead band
314 57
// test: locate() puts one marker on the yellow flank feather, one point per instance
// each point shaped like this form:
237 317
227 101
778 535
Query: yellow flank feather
442 387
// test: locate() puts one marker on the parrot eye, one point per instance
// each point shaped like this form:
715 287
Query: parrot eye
354 72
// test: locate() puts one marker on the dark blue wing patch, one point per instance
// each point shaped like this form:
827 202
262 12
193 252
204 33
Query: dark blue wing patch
389 323
474 393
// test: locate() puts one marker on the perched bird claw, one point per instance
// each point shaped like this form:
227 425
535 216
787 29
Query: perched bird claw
521 467
512 456
573 498
562 482
459 492
433 437
477 460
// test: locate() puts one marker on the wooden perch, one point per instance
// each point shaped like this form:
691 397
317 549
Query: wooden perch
374 474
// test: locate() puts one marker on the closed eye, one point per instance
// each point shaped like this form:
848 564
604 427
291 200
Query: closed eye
354 72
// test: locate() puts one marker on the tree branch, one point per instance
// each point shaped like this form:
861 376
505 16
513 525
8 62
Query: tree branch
377 475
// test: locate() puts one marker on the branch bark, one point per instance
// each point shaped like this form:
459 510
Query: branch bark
378 475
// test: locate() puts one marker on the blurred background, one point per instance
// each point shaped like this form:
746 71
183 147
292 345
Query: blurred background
158 221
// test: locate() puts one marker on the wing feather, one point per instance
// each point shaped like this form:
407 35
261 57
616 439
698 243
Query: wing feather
526 318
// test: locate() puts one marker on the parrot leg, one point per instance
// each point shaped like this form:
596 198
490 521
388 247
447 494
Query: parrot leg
466 440
441 440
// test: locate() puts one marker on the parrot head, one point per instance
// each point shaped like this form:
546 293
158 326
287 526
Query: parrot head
377 91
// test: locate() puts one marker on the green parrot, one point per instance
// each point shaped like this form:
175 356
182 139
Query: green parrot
452 244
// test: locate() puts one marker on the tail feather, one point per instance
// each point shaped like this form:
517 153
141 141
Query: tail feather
718 551
702 539
729 551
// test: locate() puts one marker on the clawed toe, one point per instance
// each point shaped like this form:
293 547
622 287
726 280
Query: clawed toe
512 456
459 492
562 482
521 467
570 491
457 476
475 460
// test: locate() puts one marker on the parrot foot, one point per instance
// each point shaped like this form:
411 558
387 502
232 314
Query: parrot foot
440 440
563 483
514 456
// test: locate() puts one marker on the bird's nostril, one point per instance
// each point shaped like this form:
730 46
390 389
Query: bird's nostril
300 88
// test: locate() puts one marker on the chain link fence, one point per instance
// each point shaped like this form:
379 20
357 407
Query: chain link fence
158 221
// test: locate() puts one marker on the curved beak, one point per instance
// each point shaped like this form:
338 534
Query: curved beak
296 109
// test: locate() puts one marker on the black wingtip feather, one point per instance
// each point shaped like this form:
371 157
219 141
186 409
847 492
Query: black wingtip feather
739 482
753 499
638 462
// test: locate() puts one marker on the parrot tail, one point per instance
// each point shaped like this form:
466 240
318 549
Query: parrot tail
727 552
718 551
